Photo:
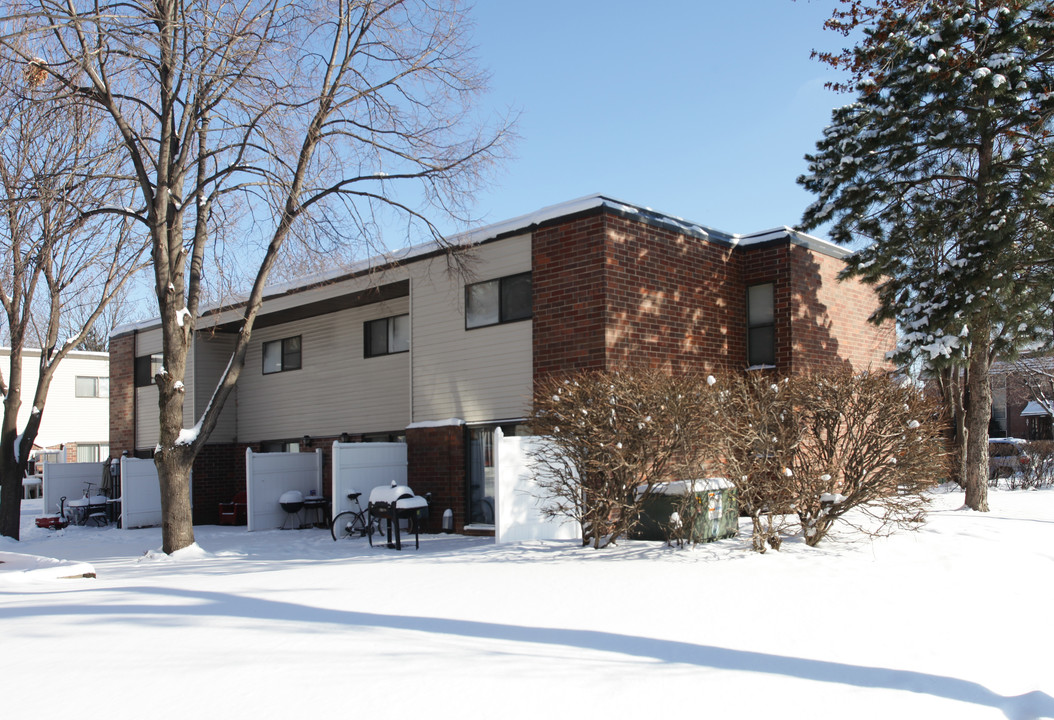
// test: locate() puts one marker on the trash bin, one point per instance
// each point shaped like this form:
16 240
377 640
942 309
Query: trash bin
713 512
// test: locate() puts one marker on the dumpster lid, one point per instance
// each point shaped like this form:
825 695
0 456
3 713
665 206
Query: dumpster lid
683 487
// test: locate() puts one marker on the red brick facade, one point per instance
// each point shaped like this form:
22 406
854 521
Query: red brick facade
436 463
122 394
612 291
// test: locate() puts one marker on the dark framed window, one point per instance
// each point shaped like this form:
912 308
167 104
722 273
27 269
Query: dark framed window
761 325
281 355
386 336
91 387
501 300
146 367
277 446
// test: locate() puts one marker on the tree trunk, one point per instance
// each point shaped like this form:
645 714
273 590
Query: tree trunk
173 473
978 415
952 385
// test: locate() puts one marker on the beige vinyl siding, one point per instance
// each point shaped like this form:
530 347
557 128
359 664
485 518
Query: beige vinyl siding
336 389
476 375
212 354
147 432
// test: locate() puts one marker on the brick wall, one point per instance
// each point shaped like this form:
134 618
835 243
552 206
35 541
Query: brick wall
830 317
219 473
122 394
436 464
569 295
613 291
672 300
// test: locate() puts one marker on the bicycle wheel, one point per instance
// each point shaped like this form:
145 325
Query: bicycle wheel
346 524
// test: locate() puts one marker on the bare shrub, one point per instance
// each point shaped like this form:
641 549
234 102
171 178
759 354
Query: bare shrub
1039 472
613 437
868 443
758 436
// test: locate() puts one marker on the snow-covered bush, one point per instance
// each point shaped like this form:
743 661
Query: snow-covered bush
613 437
868 443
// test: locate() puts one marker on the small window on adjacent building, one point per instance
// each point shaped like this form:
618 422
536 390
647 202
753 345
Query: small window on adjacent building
386 336
92 387
761 324
281 355
502 300
146 368
89 453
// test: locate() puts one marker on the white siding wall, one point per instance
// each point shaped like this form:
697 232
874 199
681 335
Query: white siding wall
146 411
212 353
336 390
476 375
67 418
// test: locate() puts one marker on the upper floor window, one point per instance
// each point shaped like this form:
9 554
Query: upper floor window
281 355
92 387
502 300
761 324
146 368
386 336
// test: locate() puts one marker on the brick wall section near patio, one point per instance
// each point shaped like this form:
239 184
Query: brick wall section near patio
122 394
436 463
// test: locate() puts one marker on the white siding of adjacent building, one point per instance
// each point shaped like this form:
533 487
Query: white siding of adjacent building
67 418
476 375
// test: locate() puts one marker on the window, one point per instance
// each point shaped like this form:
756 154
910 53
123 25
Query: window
92 387
386 336
146 367
281 355
92 453
279 446
503 300
761 323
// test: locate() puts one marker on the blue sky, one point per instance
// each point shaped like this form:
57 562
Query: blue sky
702 109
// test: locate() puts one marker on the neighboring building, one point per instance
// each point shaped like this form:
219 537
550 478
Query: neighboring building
76 415
1022 392
412 351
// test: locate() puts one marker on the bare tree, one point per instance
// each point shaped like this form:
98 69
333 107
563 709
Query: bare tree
54 160
270 120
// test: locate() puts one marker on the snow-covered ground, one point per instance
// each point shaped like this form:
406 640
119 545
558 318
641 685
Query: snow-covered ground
953 621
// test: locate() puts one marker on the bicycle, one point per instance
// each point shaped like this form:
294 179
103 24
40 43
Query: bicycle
354 522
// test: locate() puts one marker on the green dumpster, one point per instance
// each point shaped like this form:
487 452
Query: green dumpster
695 510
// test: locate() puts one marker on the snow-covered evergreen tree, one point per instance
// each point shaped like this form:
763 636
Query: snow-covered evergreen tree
945 163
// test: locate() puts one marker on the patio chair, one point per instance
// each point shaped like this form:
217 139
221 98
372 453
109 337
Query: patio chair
235 512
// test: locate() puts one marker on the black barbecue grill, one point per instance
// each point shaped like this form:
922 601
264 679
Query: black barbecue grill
394 503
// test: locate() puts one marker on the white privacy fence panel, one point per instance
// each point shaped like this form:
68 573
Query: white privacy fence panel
268 475
360 467
518 507
69 480
140 494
